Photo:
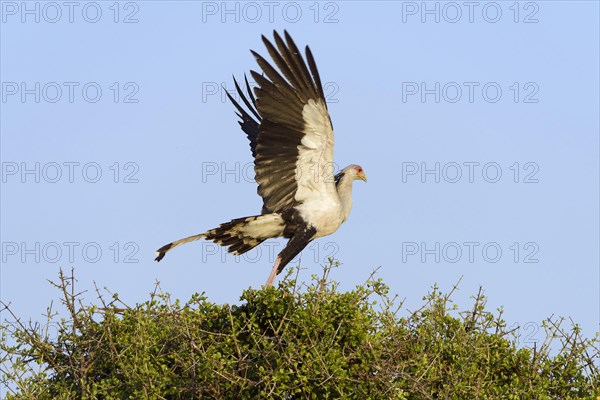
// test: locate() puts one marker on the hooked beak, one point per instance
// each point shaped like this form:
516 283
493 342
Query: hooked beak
361 175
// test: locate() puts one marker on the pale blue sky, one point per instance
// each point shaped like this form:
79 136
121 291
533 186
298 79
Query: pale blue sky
182 161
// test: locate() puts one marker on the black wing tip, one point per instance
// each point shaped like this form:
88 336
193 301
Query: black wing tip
160 253
255 54
289 40
264 39
277 36
230 97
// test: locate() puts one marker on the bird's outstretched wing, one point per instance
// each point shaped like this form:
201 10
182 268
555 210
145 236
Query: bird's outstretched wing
249 125
294 148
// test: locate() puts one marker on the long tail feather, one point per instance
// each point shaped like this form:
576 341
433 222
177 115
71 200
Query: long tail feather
160 253
238 235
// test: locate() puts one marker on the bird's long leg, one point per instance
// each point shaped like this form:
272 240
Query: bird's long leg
274 273
294 246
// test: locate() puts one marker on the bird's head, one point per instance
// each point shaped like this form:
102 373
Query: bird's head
352 172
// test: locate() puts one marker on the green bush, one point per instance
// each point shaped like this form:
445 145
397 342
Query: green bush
295 341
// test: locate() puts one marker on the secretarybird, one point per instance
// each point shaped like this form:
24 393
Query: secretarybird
291 138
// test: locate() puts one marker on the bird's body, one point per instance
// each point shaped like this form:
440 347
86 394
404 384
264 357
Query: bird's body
291 139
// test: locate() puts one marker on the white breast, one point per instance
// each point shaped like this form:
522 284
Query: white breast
324 213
